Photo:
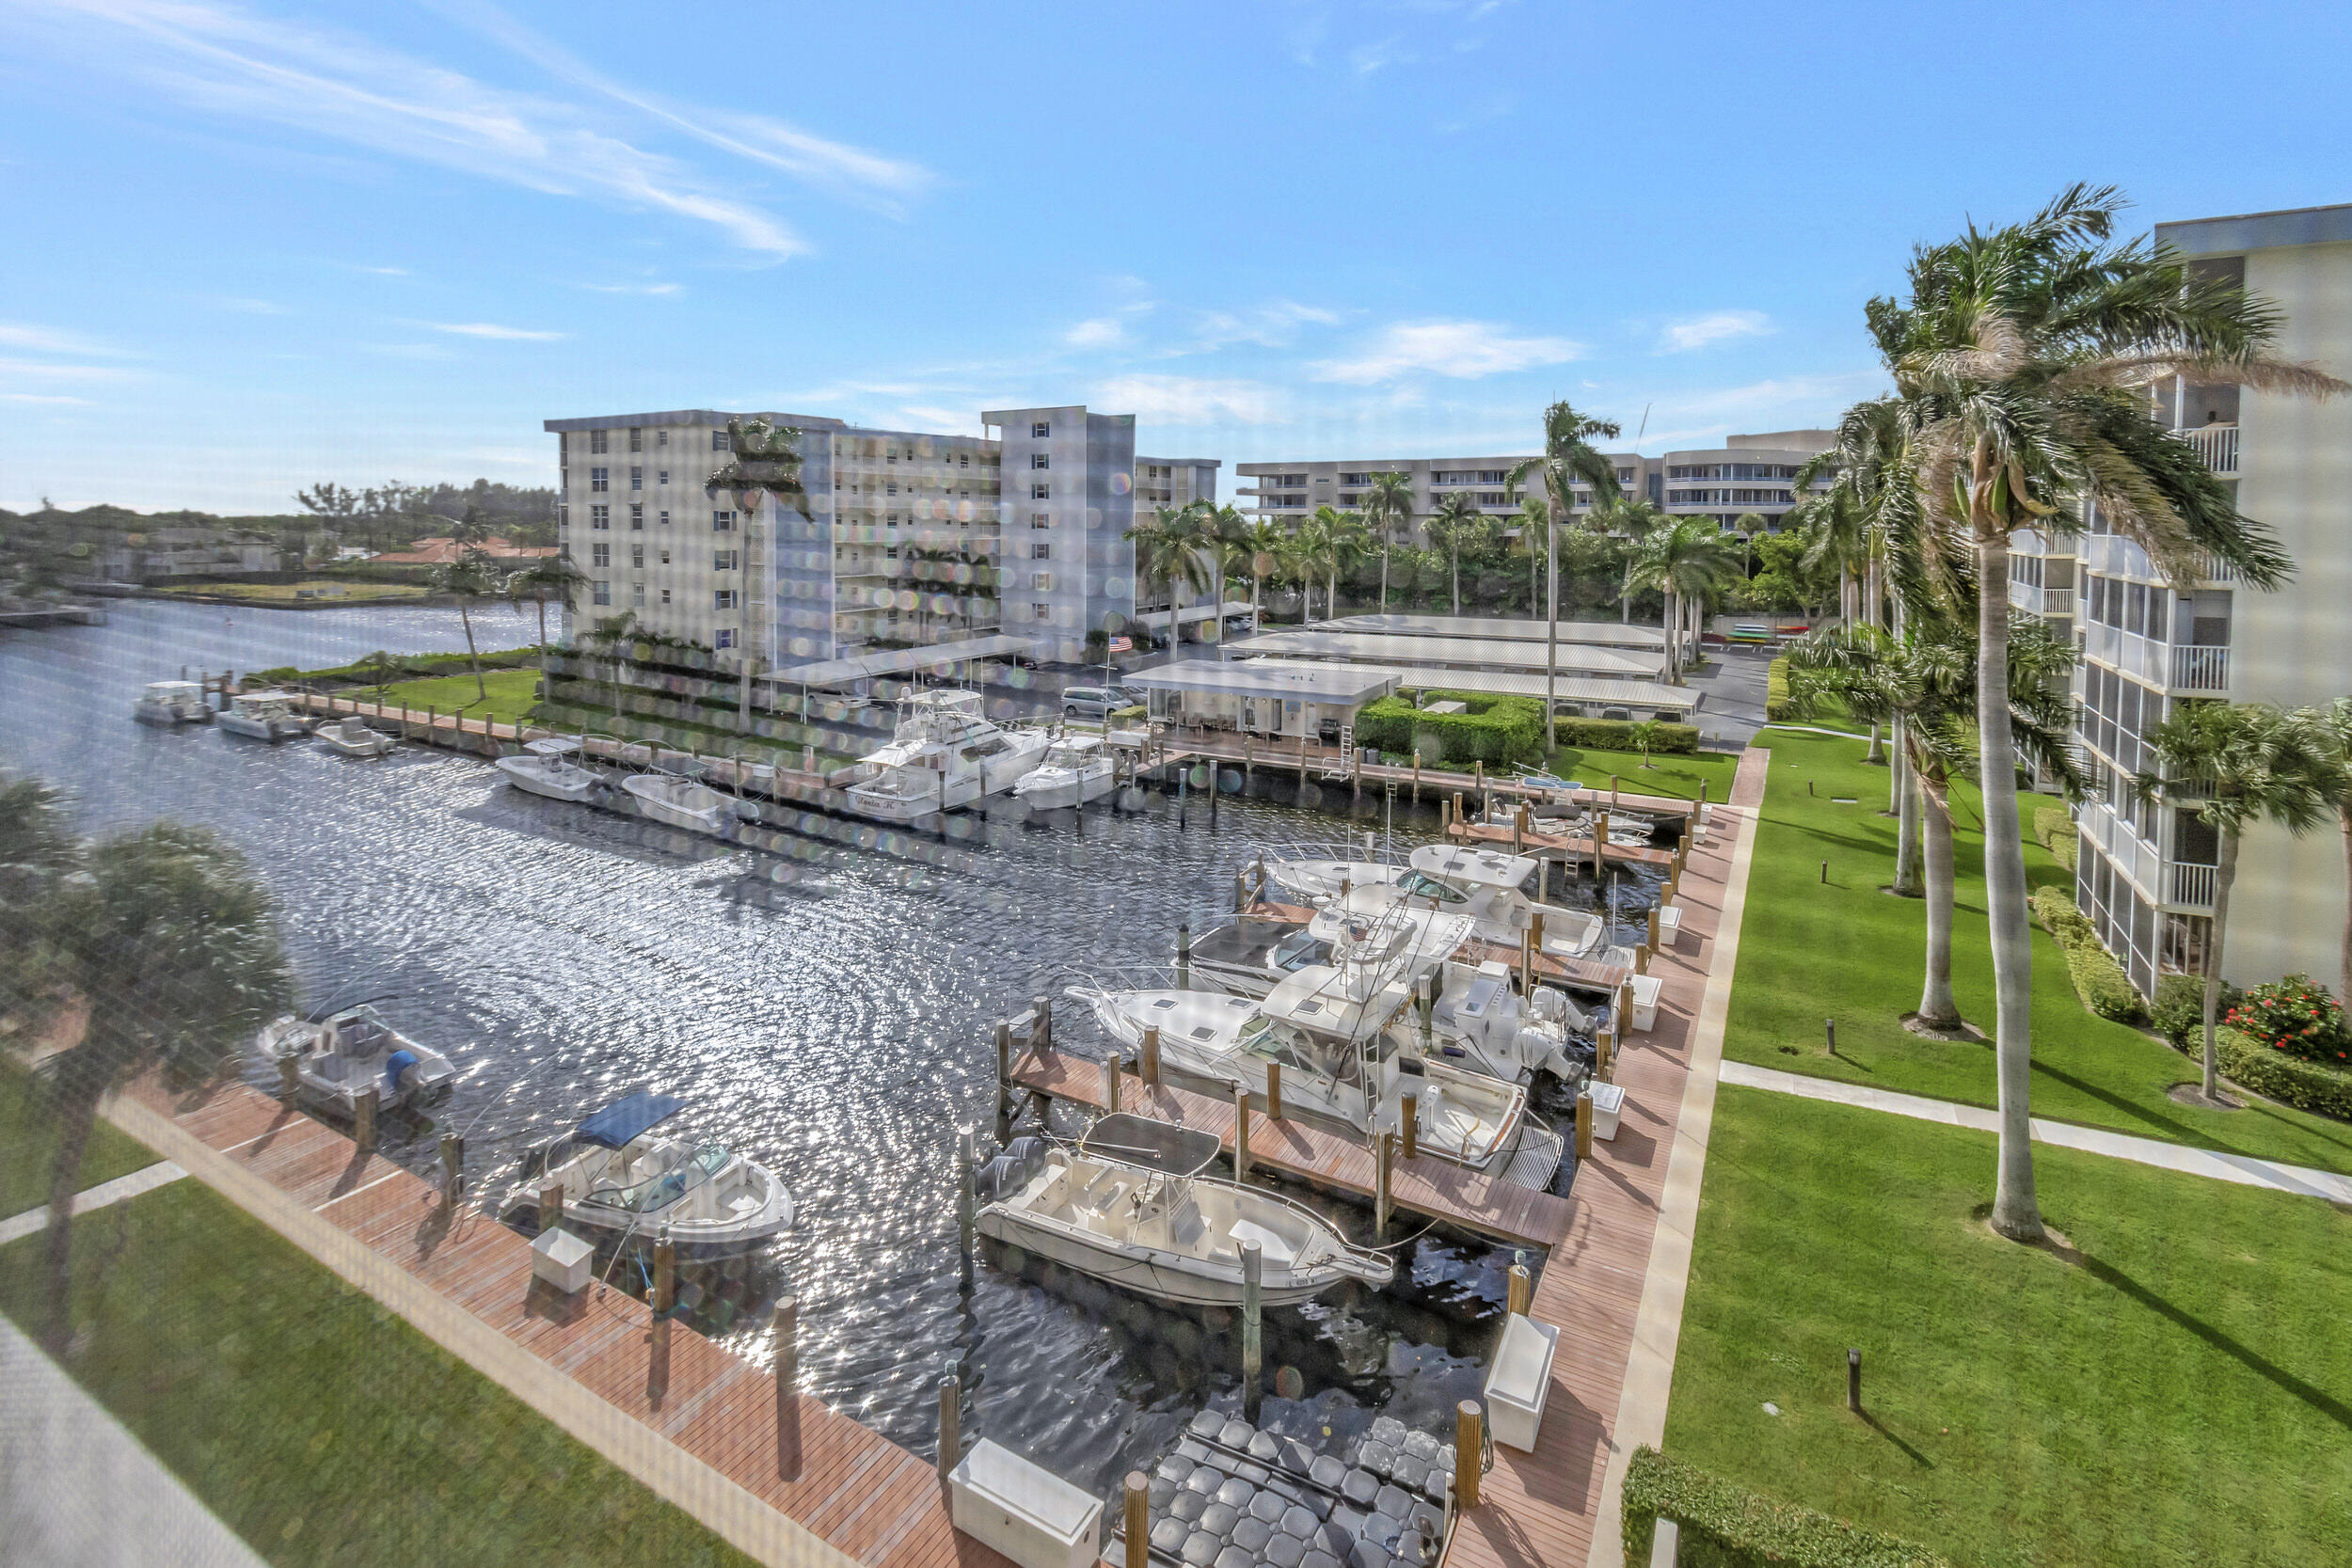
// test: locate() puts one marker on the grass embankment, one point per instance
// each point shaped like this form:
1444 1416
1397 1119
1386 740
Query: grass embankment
318 1426
1850 952
28 1147
307 592
513 694
1675 777
2177 1390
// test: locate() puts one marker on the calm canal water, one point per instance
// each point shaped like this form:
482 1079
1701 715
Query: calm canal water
826 1010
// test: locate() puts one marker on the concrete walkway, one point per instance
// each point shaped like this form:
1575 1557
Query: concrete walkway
33 1221
2241 1169
78 1491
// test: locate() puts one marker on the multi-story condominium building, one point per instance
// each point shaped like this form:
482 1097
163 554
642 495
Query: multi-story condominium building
2145 874
1748 475
907 538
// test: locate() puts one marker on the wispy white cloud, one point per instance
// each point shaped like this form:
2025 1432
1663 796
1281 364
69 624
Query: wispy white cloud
654 289
408 351
387 272
491 330
1464 350
43 369
250 306
1100 332
45 398
1186 400
1715 327
1367 59
1274 326
48 339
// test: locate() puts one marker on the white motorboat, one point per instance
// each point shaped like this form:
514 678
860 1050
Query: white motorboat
622 1181
680 802
339 1055
263 716
1496 892
351 738
1130 1206
943 755
1312 873
548 767
171 704
1076 769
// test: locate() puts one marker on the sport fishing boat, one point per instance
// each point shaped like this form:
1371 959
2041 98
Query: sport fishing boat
681 803
1496 892
1311 873
622 1180
943 755
340 1054
548 767
1130 1205
351 738
263 716
172 703
1076 769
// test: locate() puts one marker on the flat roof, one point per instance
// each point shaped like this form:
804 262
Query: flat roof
1567 688
1461 653
690 416
1268 677
1190 613
1612 634
2238 231
897 661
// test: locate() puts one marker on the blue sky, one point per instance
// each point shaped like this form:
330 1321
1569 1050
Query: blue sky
254 245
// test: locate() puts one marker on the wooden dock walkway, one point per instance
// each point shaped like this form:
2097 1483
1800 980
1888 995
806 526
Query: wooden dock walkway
1437 1188
1558 847
872 1500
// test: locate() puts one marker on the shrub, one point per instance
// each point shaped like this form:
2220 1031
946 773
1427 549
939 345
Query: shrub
401 667
1776 690
2056 830
1492 730
2317 1087
1616 735
2099 980
2295 1015
2179 1013
1724 1524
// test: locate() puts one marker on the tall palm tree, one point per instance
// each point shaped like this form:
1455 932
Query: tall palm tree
1685 561
1848 529
1387 505
1266 539
2021 361
550 576
170 942
1169 547
1534 523
1457 522
2236 764
2333 724
467 579
1568 457
1925 677
1328 543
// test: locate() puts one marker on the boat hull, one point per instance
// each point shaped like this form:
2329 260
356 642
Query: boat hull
1161 1275
714 819
271 730
374 746
1061 794
532 781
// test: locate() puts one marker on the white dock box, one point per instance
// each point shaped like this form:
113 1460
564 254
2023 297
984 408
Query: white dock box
1608 1105
1645 989
1669 924
563 1259
1519 1380
1030 1514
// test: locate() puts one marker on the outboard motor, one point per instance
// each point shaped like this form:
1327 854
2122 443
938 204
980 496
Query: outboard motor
1011 1170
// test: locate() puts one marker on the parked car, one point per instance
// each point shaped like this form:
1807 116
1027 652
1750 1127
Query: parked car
1096 702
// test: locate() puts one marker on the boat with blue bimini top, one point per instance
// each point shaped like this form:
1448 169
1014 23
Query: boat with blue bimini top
623 1181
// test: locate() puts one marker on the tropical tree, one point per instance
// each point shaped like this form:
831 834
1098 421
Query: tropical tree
2229 765
167 941
2022 362
1327 544
550 576
1923 682
467 579
1534 523
1568 458
2332 725
1169 548
1457 522
1387 505
1848 530
1265 544
1685 561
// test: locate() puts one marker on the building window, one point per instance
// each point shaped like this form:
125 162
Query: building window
725 638
600 516
665 595
563 517
600 555
637 595
637 515
660 437
723 561
1040 611
722 598
1043 582
599 480
602 593
636 477
662 477
637 556
723 522
1041 459
665 558
636 440
664 520
1041 492
595 441
1040 431
719 441
1041 551
1040 519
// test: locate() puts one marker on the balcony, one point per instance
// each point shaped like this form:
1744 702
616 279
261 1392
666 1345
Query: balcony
2216 444
2190 887
2040 601
2201 669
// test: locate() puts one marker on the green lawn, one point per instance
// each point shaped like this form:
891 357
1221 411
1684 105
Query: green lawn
510 694
28 1147
1678 777
1849 951
334 591
2178 1391
318 1426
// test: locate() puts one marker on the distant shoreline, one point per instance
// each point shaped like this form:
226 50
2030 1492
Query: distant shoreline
410 601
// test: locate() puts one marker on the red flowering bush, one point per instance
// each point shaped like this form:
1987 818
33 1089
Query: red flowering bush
2295 1015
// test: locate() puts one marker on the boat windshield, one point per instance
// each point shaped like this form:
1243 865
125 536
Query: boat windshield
1415 885
1066 756
657 1192
1299 949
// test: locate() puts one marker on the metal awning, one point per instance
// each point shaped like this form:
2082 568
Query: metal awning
900 661
1339 684
1154 1145
1157 620
1455 653
624 1122
1512 629
1655 696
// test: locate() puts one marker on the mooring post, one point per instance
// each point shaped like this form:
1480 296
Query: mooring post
1110 1084
1408 1123
1241 1131
1041 1023
786 1320
1653 930
1384 1152
363 1129
1252 1305
1605 1054
1522 1285
1853 1380
1241 892
1445 817
966 1197
950 1424
289 1078
1583 1124
1468 1445
1623 1019
1417 775
1004 1071
1183 956
1274 1091
453 1166
1138 1490
1478 773
1151 1055
1640 961
550 1207
665 1271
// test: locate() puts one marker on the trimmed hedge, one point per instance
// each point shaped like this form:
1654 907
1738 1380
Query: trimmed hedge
2306 1085
1724 1524
2056 830
1776 692
1616 735
1492 730
2099 980
406 667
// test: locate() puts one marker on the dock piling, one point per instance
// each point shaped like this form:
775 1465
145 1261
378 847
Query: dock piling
453 1166
1417 775
1583 1124
1605 1055
550 1207
1653 930
1522 1285
1241 1133
1042 1023
289 1079
1274 1091
1252 1312
1152 1055
1138 1532
950 1424
1110 1084
786 1320
1384 1154
966 1194
665 1271
1003 1077
1409 1123
1469 1446
1183 956
364 1128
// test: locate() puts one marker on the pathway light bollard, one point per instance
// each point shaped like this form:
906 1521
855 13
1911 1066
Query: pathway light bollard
966 1194
1702 792
950 1425
1274 1091
1825 873
1522 1285
1584 1124
1829 1026
1808 788
665 1271
1468 1449
1252 1342
1152 1055
1138 1527
453 1166
1409 1121
787 1322
1241 1133
364 1120
1853 1380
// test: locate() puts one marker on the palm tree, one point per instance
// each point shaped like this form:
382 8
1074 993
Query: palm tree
1266 541
1568 457
168 941
2237 763
1457 522
1167 547
1685 561
466 579
2021 362
1327 542
1388 504
1923 682
1848 531
1534 522
2333 725
553 575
